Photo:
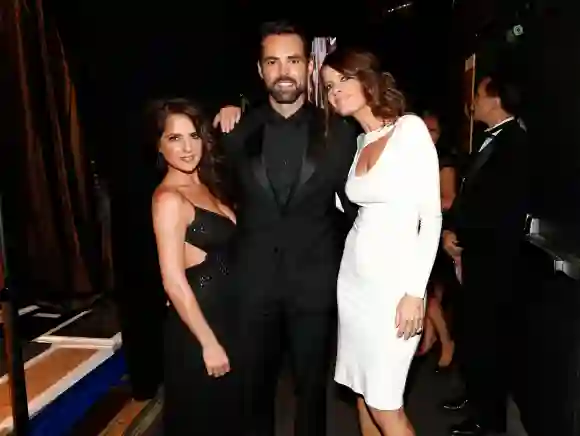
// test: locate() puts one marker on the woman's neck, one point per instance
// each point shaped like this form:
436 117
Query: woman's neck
367 120
176 177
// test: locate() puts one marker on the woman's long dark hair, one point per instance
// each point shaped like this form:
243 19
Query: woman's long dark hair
210 167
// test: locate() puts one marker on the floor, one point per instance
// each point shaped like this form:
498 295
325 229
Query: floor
428 390
58 350
111 417
119 415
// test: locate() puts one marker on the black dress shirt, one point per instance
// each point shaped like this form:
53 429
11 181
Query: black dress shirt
285 140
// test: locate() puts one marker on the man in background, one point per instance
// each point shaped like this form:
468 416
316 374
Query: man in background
484 232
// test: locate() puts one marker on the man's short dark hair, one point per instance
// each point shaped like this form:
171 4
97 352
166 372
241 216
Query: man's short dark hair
282 27
500 85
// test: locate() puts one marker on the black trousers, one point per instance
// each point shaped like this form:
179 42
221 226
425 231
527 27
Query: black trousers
484 334
308 337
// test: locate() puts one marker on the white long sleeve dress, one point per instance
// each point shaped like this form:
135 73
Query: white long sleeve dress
389 252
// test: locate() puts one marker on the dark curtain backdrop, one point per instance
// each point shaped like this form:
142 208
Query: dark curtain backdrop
55 240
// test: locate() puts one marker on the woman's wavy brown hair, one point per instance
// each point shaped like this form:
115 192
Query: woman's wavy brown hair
379 88
210 167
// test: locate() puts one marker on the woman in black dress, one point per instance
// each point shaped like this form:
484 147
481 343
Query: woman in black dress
443 272
193 228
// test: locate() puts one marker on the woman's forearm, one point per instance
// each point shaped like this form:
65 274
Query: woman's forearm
447 202
447 183
188 309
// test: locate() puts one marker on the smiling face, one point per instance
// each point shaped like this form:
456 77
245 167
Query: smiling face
180 144
345 94
284 67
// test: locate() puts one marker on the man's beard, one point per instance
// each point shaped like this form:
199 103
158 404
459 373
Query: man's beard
288 94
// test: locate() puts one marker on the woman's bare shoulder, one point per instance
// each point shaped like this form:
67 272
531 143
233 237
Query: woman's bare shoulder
167 201
165 193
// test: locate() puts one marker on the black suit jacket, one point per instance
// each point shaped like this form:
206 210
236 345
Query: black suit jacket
489 213
291 252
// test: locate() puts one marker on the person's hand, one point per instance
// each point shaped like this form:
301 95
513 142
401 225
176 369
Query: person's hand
451 244
409 318
216 360
227 118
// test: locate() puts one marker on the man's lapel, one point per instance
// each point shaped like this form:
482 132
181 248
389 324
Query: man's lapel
482 157
311 155
257 161
479 161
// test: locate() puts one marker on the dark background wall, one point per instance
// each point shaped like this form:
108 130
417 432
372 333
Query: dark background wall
554 68
545 62
553 71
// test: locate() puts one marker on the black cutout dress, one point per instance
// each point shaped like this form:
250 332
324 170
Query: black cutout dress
195 403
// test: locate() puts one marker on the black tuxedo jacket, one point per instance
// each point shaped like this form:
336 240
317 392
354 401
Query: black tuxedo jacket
291 252
489 213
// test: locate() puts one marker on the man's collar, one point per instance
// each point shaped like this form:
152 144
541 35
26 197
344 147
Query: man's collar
495 129
303 113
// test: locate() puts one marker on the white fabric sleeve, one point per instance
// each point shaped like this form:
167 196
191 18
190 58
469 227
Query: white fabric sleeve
426 193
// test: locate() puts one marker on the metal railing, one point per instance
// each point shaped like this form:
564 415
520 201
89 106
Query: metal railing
549 238
12 347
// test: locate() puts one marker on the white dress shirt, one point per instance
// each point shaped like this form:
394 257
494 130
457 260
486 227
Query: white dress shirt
495 133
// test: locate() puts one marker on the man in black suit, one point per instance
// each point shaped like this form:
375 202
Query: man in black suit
290 162
484 232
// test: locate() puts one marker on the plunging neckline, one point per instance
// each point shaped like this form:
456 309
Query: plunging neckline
369 138
218 214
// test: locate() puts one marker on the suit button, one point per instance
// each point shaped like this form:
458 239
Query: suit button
276 250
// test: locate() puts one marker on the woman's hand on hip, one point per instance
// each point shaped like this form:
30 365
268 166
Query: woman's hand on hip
409 317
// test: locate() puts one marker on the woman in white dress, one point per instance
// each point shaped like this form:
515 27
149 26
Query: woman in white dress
391 247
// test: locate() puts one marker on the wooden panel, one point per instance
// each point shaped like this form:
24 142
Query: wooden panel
124 418
45 373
